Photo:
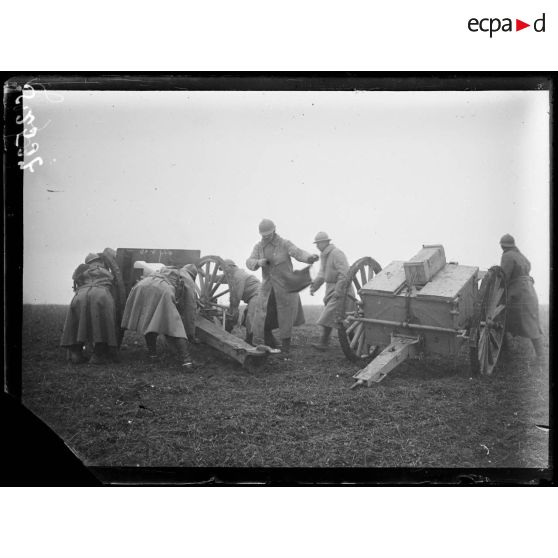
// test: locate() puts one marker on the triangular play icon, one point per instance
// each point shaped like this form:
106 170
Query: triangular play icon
519 25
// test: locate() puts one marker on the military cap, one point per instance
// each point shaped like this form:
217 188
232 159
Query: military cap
91 257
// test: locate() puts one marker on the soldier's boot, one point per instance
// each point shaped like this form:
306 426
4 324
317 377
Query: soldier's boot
269 339
539 352
99 355
249 338
323 344
506 353
112 354
151 342
184 353
75 354
286 347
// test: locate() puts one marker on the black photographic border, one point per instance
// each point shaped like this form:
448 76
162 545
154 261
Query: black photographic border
38 457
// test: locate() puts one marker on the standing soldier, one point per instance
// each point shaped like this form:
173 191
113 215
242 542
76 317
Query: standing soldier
333 271
523 304
275 306
244 288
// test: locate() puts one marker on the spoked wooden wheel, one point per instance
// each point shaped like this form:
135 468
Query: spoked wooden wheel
351 332
490 322
212 287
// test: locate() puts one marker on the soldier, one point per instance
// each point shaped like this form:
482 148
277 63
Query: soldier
523 304
275 307
243 288
164 303
333 271
91 317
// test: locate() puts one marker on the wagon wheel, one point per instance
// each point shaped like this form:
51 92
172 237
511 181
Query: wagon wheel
490 322
119 291
212 287
351 332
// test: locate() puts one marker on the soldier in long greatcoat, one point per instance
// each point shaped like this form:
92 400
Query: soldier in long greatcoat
91 317
523 305
333 272
164 303
276 307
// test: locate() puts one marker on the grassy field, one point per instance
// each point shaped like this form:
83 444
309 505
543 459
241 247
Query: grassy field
300 413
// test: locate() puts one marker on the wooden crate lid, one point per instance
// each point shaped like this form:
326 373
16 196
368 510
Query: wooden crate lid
448 282
389 280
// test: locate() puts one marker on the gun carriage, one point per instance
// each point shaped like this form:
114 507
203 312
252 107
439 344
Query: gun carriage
420 307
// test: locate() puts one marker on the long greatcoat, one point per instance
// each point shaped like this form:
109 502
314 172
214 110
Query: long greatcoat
523 304
278 252
152 306
91 317
333 272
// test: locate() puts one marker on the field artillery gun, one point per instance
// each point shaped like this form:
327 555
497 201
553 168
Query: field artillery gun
212 288
420 307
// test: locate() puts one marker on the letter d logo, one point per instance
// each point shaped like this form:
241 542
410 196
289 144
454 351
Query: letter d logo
538 26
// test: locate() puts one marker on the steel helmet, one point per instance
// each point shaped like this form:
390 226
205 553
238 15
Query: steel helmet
229 263
91 257
267 226
321 236
507 241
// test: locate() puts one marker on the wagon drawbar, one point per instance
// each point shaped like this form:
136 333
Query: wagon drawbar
421 306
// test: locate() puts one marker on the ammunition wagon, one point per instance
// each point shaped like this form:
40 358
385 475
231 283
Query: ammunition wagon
421 306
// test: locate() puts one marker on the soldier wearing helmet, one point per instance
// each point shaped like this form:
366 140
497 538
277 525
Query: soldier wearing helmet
333 272
523 304
275 306
91 317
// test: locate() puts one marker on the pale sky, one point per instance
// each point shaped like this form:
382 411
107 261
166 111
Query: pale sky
381 172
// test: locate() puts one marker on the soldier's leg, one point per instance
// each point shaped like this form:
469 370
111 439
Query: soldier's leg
506 353
151 342
286 346
182 349
112 354
248 318
539 350
323 344
75 354
100 353
270 321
